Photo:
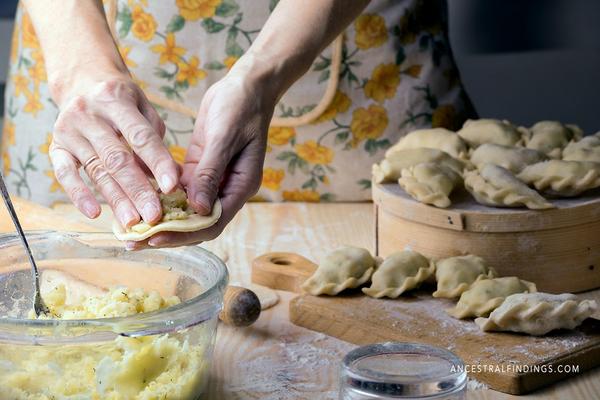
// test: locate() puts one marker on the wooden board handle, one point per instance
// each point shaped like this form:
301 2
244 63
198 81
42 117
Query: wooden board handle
241 306
282 271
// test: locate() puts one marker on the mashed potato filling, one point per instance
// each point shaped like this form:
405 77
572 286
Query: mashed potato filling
170 366
175 207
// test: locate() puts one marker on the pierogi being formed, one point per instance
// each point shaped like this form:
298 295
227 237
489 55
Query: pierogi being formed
178 216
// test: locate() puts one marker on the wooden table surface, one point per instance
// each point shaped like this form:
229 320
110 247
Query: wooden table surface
274 359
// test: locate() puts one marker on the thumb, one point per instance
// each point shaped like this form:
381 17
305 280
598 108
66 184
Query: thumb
204 183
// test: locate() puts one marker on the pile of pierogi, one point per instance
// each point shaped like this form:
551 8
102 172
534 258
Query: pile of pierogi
500 164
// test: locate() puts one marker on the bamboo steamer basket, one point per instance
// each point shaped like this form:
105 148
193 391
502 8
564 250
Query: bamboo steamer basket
558 249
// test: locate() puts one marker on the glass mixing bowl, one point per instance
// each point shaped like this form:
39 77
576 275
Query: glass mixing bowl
163 354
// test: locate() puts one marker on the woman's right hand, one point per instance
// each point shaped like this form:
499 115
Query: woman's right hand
108 127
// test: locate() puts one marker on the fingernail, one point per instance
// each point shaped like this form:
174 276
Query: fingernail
151 212
90 209
129 246
167 183
153 242
201 200
128 218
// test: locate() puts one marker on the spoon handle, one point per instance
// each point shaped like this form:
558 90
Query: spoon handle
15 219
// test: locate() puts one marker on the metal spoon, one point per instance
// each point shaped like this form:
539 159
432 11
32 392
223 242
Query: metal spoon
38 303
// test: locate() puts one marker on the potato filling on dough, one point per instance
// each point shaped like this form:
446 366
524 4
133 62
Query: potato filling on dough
175 207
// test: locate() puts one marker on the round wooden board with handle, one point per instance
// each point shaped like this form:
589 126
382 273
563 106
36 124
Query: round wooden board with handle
558 249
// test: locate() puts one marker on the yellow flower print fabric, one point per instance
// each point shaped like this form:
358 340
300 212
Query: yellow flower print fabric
272 178
368 124
371 31
396 74
193 10
383 83
143 25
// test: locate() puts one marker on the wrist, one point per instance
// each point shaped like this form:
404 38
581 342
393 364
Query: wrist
272 74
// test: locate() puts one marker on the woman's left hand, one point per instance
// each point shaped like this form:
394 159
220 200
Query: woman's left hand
226 154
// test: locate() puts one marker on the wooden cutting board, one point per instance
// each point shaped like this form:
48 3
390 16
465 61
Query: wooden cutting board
418 317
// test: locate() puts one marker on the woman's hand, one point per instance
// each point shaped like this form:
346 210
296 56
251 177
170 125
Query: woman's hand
227 151
105 122
109 127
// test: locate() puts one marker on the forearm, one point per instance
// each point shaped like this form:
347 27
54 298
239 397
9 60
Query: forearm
76 42
295 33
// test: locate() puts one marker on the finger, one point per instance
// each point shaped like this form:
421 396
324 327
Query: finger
82 150
138 160
158 125
241 183
66 170
178 239
120 163
134 246
123 208
205 180
149 112
147 143
193 159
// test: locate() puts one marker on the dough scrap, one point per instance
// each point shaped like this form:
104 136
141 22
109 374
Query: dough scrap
486 295
562 178
551 137
430 183
178 216
390 168
538 313
401 271
344 268
267 296
513 159
498 187
455 275
436 138
480 131
587 149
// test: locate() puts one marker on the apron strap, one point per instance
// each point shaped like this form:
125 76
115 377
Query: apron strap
330 90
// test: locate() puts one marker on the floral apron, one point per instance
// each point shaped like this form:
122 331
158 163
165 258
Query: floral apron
390 72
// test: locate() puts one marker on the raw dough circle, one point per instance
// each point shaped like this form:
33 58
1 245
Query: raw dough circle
193 223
